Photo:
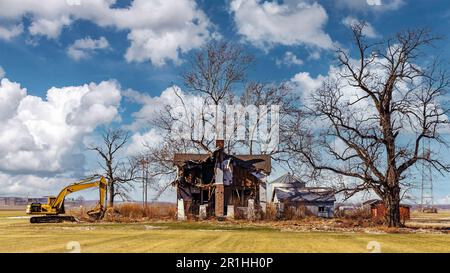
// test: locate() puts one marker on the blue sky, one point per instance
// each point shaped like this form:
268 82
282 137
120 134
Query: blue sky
35 51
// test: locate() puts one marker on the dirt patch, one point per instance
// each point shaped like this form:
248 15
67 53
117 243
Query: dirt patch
79 228
18 217
339 225
148 227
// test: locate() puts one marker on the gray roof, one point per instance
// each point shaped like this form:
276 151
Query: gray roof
288 179
294 194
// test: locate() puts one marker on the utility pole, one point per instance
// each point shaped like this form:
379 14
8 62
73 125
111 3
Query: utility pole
144 163
146 181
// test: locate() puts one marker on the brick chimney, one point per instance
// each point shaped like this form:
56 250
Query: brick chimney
220 143
219 194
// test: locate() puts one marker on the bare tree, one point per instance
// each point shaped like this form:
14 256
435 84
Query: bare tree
159 172
216 69
267 94
119 174
367 123
215 74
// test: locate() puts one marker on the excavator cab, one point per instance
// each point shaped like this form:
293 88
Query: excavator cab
51 199
38 208
34 208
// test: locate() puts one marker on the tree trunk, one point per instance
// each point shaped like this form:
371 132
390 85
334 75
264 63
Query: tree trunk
111 195
392 204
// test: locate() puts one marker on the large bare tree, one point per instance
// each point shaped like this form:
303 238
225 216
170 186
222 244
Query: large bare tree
216 76
120 174
368 121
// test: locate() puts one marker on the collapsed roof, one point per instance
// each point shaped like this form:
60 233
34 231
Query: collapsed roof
256 163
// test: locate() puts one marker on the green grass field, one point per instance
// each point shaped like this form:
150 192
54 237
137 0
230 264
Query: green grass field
17 235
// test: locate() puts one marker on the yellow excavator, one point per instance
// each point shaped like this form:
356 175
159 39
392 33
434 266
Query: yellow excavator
51 212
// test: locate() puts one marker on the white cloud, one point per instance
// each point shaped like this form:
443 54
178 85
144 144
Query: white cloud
42 140
140 141
289 59
31 185
368 31
9 32
158 30
371 5
150 107
160 47
315 55
45 136
50 28
10 96
305 84
153 105
2 72
265 24
84 48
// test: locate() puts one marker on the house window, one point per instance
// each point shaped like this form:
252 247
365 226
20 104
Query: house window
321 209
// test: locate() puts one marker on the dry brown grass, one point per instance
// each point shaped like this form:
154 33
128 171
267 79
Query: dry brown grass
359 217
271 212
293 212
132 212
356 214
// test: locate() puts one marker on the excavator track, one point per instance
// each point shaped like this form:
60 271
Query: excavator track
52 219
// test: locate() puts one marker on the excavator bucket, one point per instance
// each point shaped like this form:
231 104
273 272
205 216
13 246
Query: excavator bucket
96 215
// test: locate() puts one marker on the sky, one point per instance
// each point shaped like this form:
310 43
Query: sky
69 68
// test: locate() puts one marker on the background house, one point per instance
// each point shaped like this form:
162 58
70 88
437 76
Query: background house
289 190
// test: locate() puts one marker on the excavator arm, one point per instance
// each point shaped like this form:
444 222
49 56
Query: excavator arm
79 186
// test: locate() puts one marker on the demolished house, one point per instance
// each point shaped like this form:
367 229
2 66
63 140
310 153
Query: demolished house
220 184
290 191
